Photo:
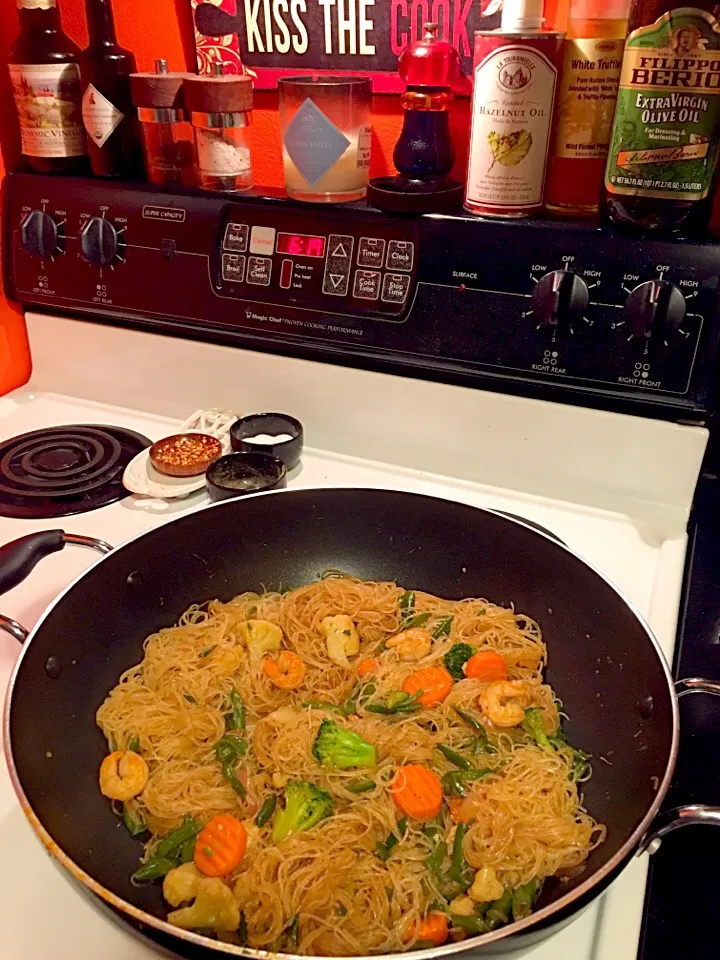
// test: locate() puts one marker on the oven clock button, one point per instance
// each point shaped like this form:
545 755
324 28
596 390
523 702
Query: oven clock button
99 242
39 234
560 300
654 310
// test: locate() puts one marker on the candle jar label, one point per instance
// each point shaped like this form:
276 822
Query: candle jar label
313 142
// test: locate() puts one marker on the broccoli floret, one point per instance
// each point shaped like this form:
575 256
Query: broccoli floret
305 805
456 657
342 749
533 724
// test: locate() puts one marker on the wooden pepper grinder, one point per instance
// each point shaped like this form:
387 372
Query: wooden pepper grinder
424 153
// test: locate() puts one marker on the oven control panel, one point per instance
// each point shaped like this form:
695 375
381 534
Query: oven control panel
564 310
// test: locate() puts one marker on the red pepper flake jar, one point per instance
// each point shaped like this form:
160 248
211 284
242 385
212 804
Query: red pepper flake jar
515 73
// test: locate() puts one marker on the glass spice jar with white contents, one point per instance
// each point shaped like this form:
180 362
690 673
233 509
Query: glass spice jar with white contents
221 112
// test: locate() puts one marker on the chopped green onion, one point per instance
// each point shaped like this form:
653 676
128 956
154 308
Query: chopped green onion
134 744
206 652
442 628
417 621
235 719
456 781
190 698
134 827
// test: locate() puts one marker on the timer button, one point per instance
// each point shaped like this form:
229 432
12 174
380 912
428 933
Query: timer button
99 242
39 234
559 299
654 309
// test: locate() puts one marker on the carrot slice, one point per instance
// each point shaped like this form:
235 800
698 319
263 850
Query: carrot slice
220 845
417 791
486 665
366 667
434 928
434 682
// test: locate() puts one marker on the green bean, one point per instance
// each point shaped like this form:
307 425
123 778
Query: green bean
469 924
323 705
266 811
155 868
470 719
187 850
442 628
456 781
417 621
206 652
134 827
523 899
498 913
458 858
384 848
360 786
235 719
407 604
293 931
396 702
242 930
134 744
453 757
435 861
190 698
170 844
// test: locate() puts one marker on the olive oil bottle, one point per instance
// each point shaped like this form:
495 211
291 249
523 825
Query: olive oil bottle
664 145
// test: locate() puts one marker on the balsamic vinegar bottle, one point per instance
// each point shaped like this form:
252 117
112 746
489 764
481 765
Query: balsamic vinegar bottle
45 79
107 108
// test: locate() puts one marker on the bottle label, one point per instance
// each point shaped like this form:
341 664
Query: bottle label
665 136
36 4
364 145
100 116
512 105
47 98
586 99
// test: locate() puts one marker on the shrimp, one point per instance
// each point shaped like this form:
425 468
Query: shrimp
123 775
412 644
287 672
504 702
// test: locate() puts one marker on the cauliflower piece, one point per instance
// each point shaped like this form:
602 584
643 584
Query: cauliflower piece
214 907
279 780
181 884
341 638
260 637
242 890
464 906
486 886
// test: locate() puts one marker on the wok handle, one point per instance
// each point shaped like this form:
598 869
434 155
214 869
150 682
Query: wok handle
694 813
688 816
19 557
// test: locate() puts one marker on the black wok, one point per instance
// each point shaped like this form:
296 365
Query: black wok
604 664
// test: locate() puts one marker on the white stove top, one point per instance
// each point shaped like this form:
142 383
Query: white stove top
615 489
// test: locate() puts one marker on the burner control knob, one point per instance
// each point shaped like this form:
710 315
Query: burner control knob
654 309
39 234
559 299
99 241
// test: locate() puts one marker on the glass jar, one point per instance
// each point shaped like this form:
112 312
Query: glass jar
221 112
326 133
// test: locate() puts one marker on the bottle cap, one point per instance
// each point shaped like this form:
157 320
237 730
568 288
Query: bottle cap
521 15
429 62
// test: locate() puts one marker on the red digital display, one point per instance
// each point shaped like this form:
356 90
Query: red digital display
300 244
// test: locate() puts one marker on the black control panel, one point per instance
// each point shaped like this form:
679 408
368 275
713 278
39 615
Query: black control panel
561 310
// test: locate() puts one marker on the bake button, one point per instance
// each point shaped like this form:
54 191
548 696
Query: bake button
367 285
236 237
233 267
262 240
259 271
371 252
395 288
400 255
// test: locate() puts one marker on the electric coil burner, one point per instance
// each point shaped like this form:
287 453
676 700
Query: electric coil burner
65 470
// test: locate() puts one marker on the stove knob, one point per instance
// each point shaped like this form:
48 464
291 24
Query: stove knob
654 309
559 299
39 234
99 242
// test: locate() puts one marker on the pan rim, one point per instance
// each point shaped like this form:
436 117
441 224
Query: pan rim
546 913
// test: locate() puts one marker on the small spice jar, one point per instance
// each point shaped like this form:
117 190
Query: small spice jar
166 132
221 111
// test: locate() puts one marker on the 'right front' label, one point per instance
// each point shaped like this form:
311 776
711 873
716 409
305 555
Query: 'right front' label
666 130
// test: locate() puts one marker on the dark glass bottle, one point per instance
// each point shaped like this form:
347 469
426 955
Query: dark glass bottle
43 64
666 133
107 108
